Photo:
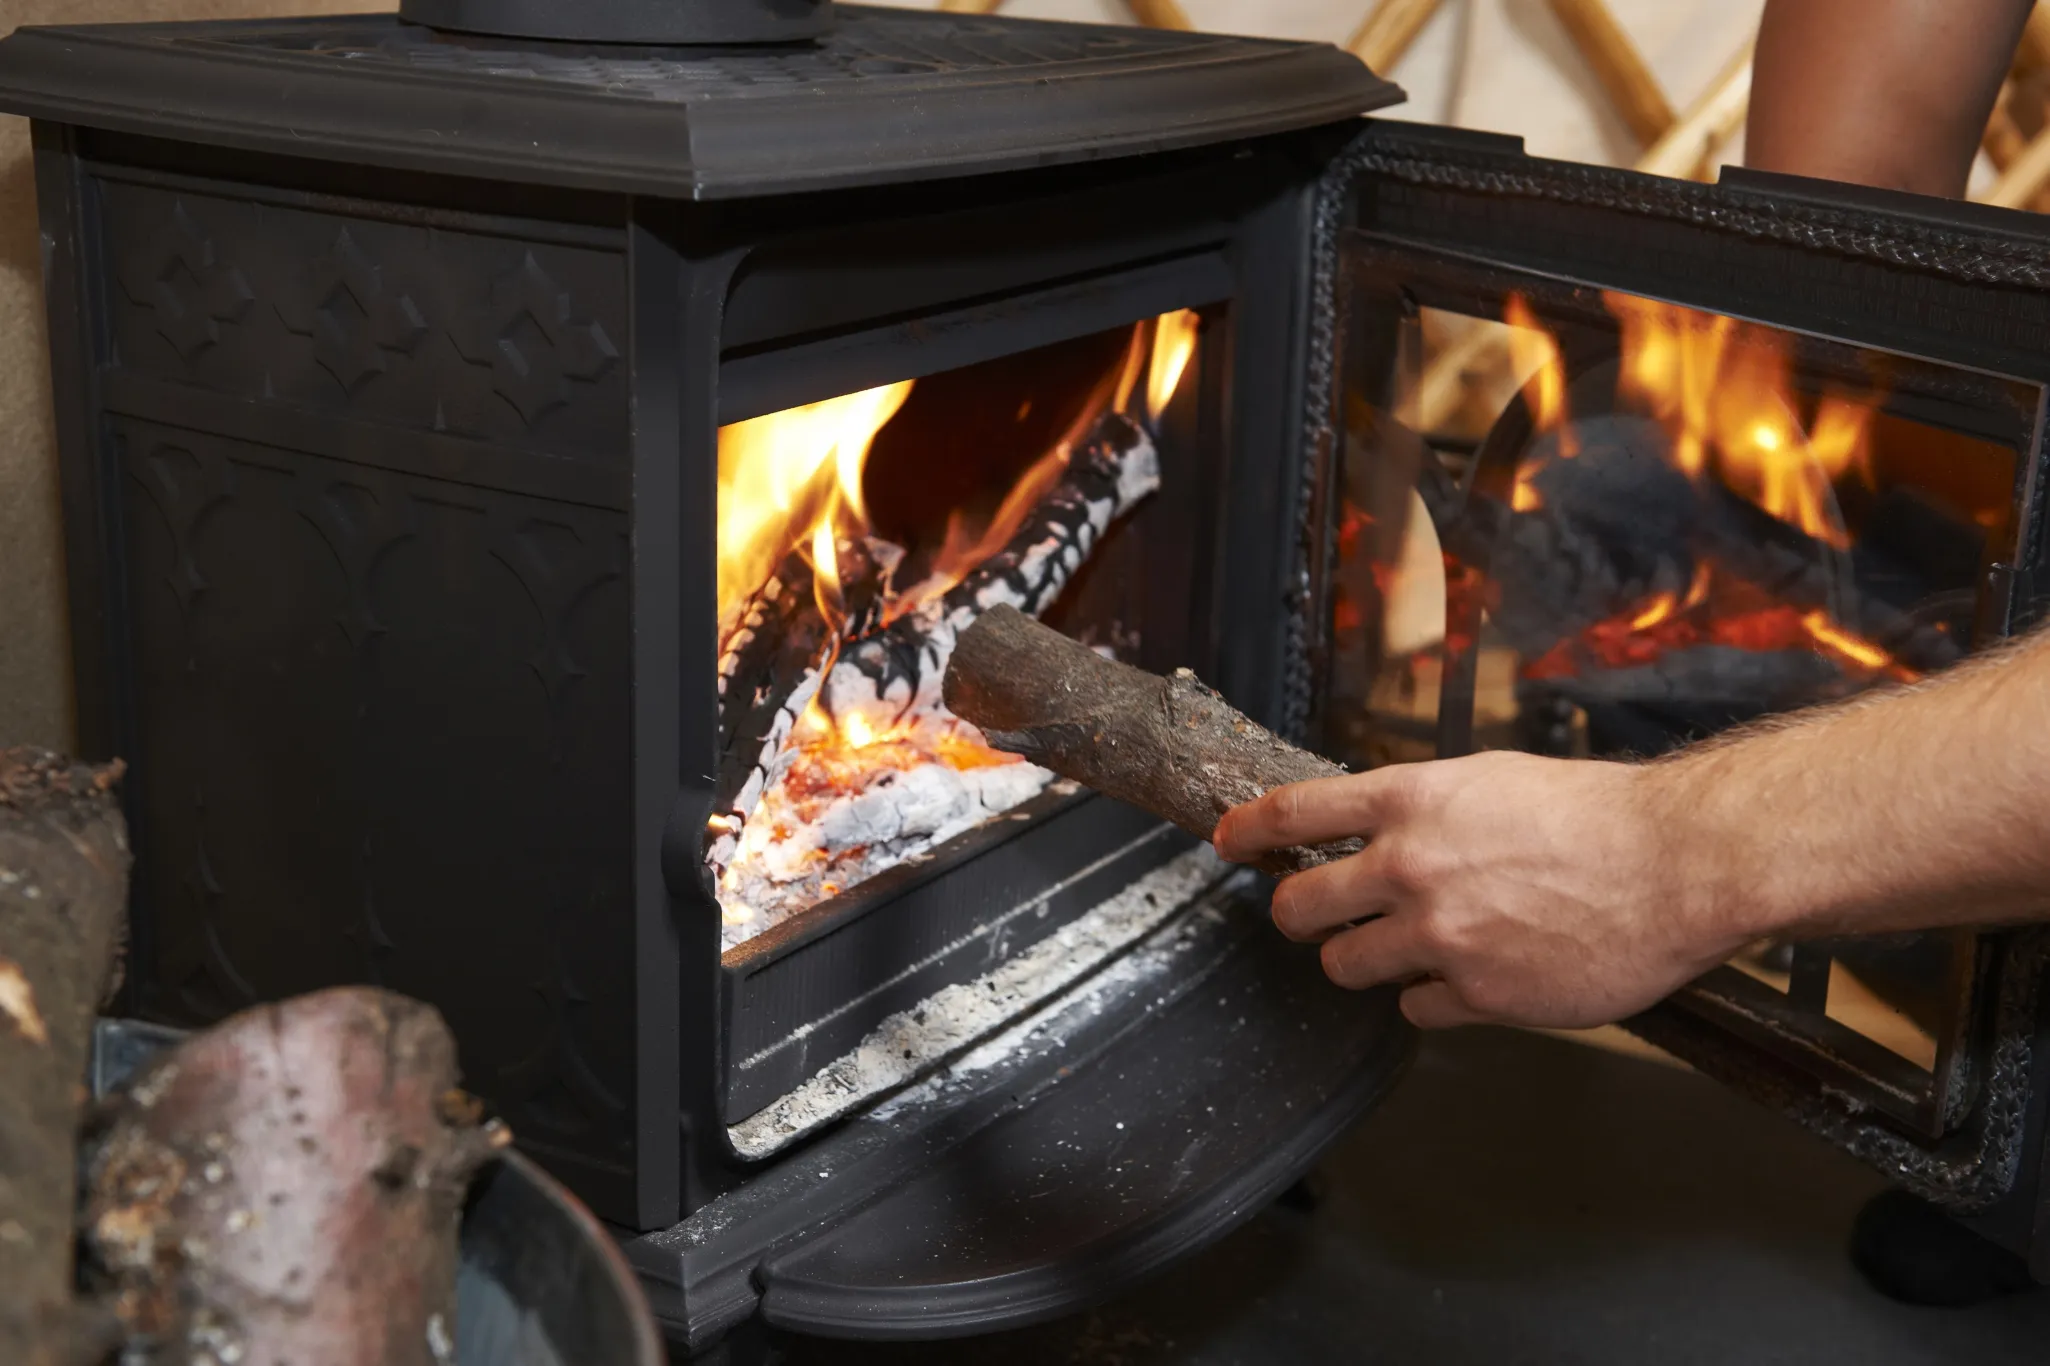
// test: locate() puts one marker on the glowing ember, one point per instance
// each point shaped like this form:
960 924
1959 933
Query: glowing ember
1736 615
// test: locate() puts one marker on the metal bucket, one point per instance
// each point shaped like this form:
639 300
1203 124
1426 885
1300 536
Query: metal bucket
541 1283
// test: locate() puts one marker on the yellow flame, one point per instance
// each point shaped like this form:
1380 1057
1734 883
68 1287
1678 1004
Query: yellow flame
1133 366
1726 390
1697 590
1174 341
856 732
825 575
1672 360
783 476
1535 354
1523 495
1853 647
1660 608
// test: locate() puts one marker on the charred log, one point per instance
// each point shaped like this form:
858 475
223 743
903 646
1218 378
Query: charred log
899 670
1169 745
288 1187
63 903
781 622
771 660
1715 678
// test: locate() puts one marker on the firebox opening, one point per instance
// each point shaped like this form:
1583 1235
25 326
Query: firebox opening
858 536
1620 525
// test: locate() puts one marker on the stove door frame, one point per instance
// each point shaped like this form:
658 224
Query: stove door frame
1225 228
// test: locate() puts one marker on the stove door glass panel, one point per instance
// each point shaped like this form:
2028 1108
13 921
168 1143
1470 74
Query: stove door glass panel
1591 524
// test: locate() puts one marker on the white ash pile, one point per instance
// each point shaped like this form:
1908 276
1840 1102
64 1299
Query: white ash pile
835 816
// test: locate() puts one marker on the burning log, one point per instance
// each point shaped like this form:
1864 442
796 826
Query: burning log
772 658
783 620
1715 678
1169 745
897 672
288 1187
63 902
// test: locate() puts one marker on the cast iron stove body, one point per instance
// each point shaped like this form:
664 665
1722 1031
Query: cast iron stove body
392 365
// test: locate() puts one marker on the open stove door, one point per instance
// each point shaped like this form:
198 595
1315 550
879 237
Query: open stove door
1620 461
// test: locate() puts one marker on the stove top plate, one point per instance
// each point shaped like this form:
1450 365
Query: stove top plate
887 96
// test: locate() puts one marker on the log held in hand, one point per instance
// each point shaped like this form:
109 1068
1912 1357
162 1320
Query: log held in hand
1169 745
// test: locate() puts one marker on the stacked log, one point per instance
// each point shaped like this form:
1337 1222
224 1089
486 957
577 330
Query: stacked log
63 904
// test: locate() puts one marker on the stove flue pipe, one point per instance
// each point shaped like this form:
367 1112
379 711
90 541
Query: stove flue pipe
659 22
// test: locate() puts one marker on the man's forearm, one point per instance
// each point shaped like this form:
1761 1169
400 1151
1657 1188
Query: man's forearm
1912 809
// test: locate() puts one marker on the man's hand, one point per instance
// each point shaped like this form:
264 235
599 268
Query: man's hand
1504 887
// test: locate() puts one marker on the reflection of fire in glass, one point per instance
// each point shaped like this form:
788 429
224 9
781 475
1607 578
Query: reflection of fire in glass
1660 529
1728 419
839 759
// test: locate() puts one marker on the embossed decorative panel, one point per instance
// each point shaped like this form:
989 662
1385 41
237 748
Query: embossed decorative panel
383 735
431 328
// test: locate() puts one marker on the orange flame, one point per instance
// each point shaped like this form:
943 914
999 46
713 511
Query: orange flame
1534 353
788 479
1660 608
1856 648
792 481
1174 341
1725 389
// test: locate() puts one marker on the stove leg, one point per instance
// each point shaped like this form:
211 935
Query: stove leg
1301 1198
1909 1250
751 1344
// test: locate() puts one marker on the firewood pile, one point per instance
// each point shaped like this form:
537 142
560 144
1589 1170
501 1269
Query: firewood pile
286 1186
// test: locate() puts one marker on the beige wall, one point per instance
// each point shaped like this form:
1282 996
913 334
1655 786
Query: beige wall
1497 64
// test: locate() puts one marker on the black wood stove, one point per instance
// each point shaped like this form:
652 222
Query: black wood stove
524 464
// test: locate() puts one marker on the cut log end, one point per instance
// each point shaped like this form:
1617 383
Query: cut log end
289 1186
1171 746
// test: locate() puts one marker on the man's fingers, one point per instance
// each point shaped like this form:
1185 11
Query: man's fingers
1311 904
1384 950
1435 1005
1314 812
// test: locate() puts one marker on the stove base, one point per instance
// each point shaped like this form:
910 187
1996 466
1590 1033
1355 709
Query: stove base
1134 1120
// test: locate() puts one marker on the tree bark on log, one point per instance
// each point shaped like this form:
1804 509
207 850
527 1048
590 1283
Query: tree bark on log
63 907
1169 745
898 670
288 1186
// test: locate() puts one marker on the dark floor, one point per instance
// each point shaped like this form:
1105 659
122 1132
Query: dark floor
1525 1201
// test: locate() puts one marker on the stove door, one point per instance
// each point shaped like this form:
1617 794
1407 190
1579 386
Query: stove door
1623 461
